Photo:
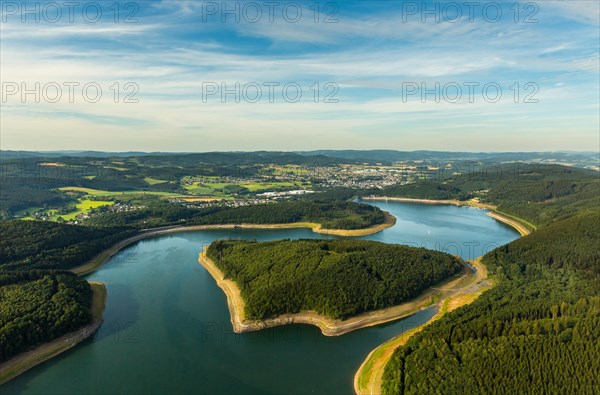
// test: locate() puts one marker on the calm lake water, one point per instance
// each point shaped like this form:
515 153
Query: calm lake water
167 326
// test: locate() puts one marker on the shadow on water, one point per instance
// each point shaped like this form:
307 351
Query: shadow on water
122 310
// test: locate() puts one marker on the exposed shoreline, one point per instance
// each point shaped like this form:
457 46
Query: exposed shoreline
328 326
493 212
22 362
96 262
368 377
456 202
523 231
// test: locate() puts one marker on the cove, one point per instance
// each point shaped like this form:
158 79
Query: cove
167 328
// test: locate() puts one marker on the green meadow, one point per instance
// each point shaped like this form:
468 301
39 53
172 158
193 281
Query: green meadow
100 192
153 181
82 207
219 189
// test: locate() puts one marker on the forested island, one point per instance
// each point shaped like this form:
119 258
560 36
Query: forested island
334 278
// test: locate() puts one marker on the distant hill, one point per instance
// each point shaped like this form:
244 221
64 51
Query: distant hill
579 159
179 159
10 155
583 159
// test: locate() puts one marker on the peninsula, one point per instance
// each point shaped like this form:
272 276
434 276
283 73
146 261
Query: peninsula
337 285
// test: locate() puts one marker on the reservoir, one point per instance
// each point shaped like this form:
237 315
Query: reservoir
167 328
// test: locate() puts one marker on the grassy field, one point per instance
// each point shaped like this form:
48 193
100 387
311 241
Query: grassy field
99 192
217 189
201 189
262 186
153 181
30 210
83 206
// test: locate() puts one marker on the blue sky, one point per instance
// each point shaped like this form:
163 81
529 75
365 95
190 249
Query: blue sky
369 61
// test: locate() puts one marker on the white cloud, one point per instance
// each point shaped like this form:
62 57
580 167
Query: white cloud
585 11
369 57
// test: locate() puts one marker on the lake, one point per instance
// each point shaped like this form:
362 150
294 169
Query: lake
167 328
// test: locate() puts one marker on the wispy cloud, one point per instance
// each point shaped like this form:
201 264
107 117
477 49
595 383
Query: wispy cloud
370 53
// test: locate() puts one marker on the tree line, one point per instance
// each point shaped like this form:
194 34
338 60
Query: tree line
26 245
330 214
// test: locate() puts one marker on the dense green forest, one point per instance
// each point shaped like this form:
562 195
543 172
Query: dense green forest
15 196
537 193
39 306
26 245
336 278
536 331
38 303
332 215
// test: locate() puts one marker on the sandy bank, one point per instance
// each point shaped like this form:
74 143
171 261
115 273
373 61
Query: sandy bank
328 326
368 378
472 202
513 222
509 221
27 360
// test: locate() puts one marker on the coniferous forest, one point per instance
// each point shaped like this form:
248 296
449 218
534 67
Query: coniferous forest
333 214
39 302
330 214
39 306
49 245
536 331
336 278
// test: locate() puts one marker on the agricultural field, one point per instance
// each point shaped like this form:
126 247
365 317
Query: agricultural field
84 206
99 192
220 189
270 186
153 181
285 170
